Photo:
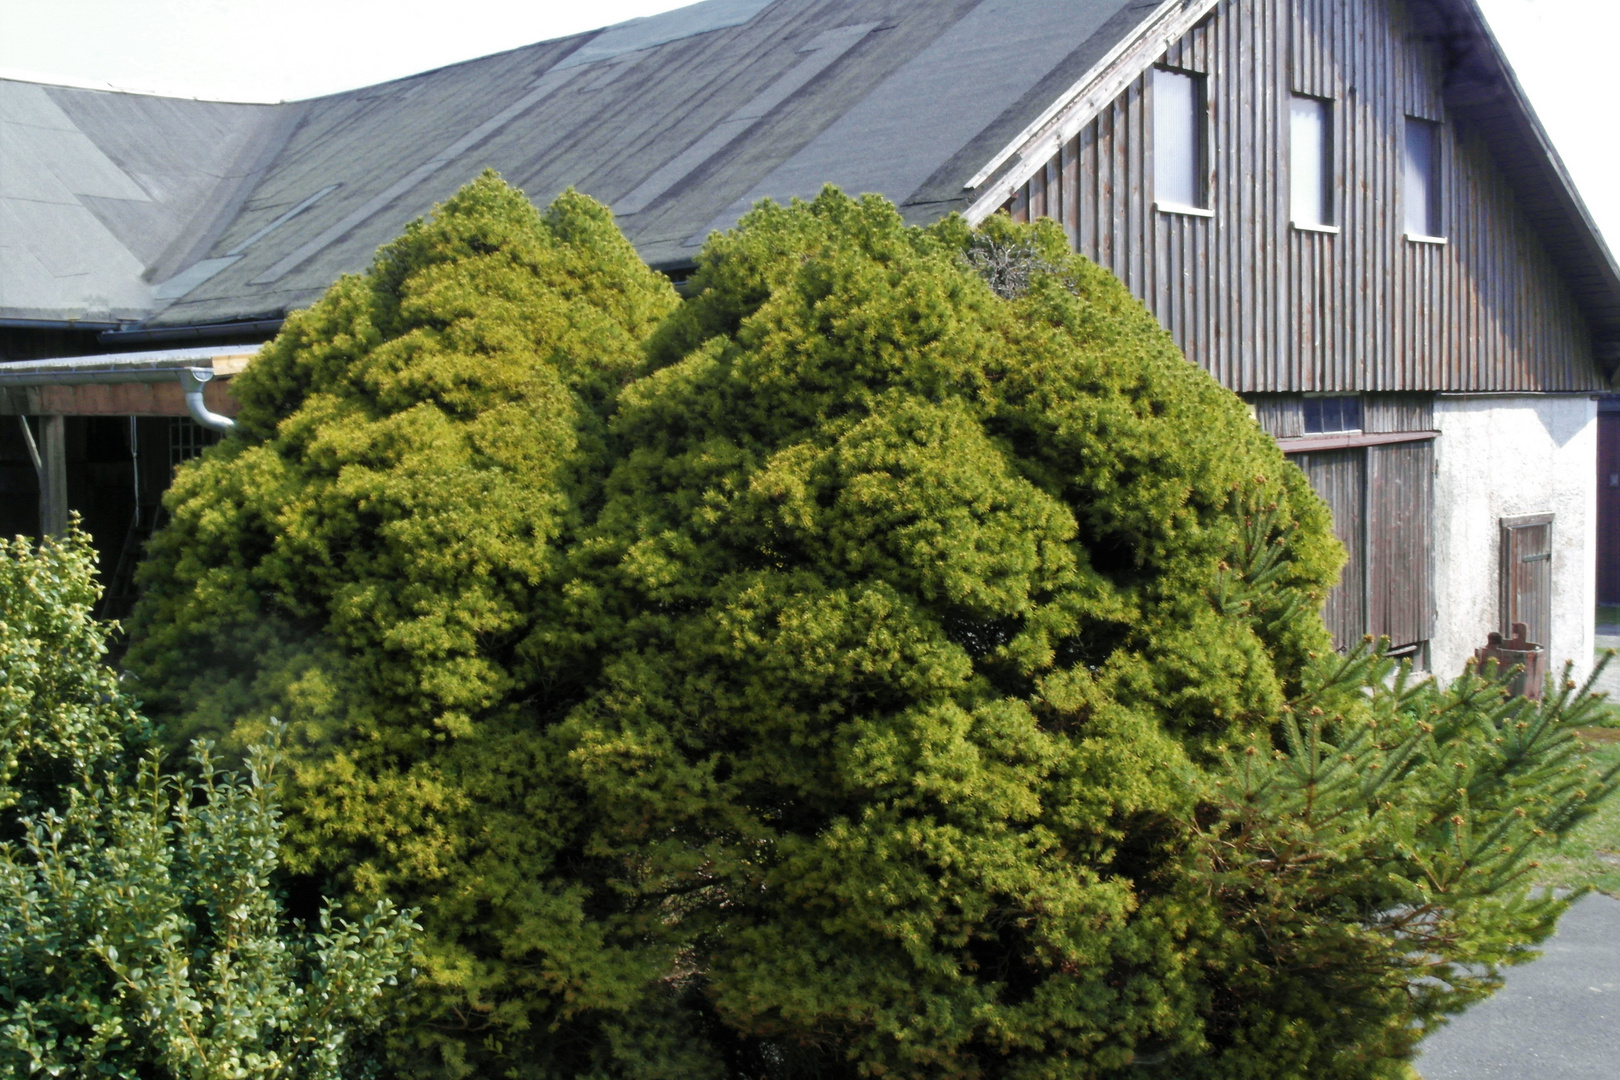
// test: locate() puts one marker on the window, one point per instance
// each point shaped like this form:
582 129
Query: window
1178 140
1311 162
1326 414
188 439
1422 188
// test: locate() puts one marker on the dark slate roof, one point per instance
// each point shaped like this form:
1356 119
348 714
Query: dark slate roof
100 193
678 135
679 121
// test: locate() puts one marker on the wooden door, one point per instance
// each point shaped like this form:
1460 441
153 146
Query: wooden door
1340 478
1400 514
1608 509
1527 576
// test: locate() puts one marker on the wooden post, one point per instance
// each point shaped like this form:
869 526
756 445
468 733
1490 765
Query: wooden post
53 506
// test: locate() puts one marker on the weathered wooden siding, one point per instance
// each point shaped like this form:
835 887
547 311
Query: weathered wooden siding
1282 416
1382 499
166 398
1608 510
1340 477
1268 307
1527 554
1398 412
1400 542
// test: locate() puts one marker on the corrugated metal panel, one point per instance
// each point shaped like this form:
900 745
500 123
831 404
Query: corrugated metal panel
1267 307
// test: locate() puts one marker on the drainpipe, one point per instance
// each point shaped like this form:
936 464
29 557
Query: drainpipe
192 380
49 450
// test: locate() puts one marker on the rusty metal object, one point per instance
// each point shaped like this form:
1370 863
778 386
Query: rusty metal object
1517 652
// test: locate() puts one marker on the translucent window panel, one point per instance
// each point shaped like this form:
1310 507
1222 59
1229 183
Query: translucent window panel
1422 188
1324 414
1311 161
1178 135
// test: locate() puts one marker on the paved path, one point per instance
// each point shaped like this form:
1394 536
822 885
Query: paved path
1556 1019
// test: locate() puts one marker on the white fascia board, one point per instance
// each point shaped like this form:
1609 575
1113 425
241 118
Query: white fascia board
1077 106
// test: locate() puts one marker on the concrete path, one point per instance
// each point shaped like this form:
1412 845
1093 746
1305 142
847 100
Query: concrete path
1556 1019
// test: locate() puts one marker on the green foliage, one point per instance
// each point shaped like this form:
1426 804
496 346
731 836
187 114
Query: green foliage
857 696
140 934
366 558
902 610
1371 862
370 547
1590 856
61 713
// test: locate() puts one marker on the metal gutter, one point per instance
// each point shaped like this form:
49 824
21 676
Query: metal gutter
193 367
123 367
258 327
59 324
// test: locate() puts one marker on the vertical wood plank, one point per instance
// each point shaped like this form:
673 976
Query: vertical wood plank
1268 309
1070 167
1339 477
53 501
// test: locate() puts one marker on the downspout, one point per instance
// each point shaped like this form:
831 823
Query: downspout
33 449
192 381
194 367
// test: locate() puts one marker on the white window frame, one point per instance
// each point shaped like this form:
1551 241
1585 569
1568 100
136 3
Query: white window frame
1199 204
1433 226
1318 158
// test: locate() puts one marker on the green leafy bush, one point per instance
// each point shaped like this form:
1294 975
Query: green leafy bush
62 714
140 931
863 700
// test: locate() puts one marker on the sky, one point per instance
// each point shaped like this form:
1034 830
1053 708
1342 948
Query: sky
272 50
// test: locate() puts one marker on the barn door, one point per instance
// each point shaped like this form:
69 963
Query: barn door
1400 514
1608 507
1527 575
1340 478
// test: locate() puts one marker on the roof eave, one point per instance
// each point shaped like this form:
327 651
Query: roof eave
1481 88
1007 169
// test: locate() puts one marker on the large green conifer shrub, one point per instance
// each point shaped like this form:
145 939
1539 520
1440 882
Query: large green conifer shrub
364 558
859 669
903 618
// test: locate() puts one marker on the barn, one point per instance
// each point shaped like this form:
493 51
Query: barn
1345 210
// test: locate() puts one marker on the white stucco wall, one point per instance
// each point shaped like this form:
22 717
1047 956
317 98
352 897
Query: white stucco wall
1503 456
